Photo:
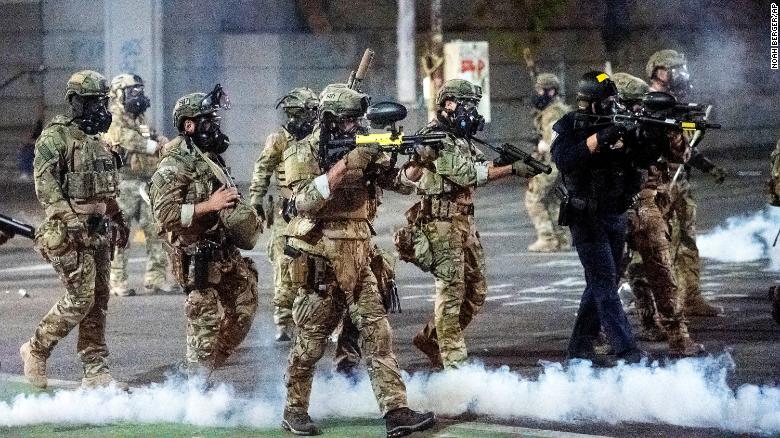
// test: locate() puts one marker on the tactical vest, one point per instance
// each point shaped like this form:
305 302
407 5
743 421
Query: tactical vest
90 171
461 153
606 184
282 183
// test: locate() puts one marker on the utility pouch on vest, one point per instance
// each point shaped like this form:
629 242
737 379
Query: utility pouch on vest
200 253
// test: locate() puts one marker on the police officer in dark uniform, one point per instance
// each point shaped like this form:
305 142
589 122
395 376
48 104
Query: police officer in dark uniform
599 181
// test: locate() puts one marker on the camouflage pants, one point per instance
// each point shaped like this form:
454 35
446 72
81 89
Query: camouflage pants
284 293
84 272
651 274
136 209
459 271
542 205
219 316
347 355
685 253
348 286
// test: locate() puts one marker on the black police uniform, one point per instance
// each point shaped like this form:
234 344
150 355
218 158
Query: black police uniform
600 186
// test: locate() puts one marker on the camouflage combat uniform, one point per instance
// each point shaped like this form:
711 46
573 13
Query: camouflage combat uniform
270 162
333 275
540 200
446 215
222 288
132 135
685 252
77 183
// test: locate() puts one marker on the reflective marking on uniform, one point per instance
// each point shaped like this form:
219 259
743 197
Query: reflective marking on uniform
601 77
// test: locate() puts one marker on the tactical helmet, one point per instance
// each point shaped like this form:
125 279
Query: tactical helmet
629 86
241 224
594 86
341 101
548 80
86 83
125 80
666 58
458 89
302 97
189 107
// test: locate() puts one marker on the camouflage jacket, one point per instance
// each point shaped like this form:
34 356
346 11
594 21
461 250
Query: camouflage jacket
71 167
270 161
183 179
544 121
134 137
458 168
344 212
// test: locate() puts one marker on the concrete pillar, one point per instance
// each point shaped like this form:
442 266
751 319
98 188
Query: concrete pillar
406 72
133 44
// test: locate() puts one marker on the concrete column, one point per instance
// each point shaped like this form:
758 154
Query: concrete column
406 72
133 44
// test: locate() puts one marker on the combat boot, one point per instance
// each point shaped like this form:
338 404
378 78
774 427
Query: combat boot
698 306
650 330
299 423
681 344
123 292
544 245
430 348
164 289
34 366
282 334
403 421
102 380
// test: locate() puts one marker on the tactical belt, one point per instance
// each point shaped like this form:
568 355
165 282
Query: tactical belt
438 208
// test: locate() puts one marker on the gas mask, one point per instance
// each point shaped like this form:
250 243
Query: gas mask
208 136
135 101
542 100
680 81
608 106
300 121
465 120
335 128
91 113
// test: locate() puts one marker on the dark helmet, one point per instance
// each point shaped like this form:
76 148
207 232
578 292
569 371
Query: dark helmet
595 86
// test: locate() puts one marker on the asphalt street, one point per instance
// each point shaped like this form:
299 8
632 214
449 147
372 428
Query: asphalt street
528 316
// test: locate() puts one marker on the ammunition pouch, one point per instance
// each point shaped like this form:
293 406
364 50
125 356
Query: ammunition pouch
411 242
435 208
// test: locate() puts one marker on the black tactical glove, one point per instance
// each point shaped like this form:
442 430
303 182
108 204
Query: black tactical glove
609 136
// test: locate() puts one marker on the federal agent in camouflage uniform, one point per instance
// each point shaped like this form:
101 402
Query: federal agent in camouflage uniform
540 200
77 183
205 223
300 107
130 135
650 272
668 72
447 241
332 273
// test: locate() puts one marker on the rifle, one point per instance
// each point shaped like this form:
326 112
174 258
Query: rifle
660 110
357 76
509 153
383 115
14 227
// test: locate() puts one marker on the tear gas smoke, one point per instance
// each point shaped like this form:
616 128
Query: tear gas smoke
691 392
743 239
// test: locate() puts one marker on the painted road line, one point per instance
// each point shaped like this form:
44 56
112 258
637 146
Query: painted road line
474 429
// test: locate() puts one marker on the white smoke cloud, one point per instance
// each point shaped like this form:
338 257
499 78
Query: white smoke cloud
691 392
744 238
